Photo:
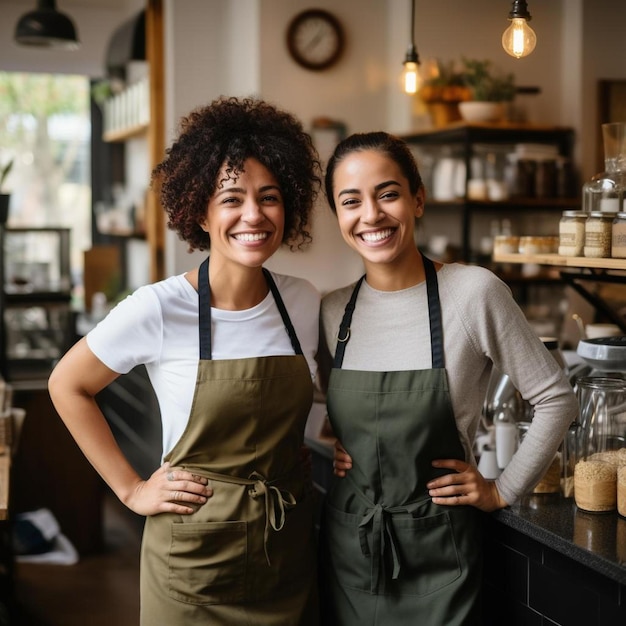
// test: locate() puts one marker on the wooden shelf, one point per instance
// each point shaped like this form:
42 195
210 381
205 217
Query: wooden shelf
124 134
563 261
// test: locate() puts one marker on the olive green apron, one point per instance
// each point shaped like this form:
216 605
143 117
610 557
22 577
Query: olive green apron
392 556
247 556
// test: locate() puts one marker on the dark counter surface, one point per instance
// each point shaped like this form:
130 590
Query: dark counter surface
597 540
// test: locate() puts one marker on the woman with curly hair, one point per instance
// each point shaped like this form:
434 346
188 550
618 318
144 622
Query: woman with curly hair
230 351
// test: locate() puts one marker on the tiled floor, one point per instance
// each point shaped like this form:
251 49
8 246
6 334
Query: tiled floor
99 590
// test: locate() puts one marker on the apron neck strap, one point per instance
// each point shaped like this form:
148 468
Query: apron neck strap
344 328
204 304
434 316
291 331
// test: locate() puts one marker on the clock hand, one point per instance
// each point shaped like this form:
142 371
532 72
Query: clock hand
313 43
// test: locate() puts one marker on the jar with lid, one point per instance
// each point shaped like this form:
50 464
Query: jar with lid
600 443
618 241
572 233
598 234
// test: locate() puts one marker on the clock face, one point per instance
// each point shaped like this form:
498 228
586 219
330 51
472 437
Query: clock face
315 39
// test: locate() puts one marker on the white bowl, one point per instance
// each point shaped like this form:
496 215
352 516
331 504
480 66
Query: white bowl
477 111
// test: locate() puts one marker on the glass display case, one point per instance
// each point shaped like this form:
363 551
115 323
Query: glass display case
37 321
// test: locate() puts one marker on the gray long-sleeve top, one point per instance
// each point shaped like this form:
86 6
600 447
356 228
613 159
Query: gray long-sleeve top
483 327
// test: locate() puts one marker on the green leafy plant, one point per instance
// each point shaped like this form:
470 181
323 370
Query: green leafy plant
486 83
101 91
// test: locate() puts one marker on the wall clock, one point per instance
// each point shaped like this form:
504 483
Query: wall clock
315 39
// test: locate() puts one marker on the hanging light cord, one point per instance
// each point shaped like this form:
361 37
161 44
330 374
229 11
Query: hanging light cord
411 53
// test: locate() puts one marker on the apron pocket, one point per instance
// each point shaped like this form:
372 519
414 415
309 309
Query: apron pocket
428 553
426 548
207 562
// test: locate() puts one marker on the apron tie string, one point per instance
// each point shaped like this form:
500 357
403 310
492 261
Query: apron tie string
376 522
277 501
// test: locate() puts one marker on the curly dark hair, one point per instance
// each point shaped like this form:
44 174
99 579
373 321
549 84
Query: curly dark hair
228 131
390 145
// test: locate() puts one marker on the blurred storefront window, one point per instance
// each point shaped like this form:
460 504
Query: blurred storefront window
45 128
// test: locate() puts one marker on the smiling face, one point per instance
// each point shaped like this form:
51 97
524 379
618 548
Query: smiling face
376 209
245 217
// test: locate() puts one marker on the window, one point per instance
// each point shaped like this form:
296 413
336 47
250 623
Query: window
45 128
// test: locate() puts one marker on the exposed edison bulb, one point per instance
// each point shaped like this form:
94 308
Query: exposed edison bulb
411 78
519 39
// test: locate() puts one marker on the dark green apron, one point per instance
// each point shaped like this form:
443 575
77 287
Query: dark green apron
391 556
247 556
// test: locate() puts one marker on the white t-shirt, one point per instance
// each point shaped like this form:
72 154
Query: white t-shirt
157 326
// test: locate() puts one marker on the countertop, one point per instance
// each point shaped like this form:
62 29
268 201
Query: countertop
597 540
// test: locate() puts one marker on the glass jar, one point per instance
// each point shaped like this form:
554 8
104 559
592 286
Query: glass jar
595 486
569 455
602 402
572 233
605 191
598 234
618 240
505 244
530 244
621 490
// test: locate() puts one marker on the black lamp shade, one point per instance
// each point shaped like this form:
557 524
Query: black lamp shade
47 28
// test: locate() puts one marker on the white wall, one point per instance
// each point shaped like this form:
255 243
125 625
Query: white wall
211 49
239 50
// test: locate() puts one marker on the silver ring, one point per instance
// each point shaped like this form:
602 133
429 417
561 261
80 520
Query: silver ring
170 476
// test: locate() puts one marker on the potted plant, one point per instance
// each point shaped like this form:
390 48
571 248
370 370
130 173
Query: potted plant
489 90
442 90
4 197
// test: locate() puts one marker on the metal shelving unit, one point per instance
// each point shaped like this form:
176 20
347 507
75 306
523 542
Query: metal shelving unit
36 320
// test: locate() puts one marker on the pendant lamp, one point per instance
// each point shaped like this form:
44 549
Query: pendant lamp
519 39
411 78
46 28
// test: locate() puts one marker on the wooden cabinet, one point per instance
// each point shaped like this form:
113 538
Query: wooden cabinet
462 143
49 471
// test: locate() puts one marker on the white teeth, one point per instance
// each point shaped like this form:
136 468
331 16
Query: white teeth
378 235
250 236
